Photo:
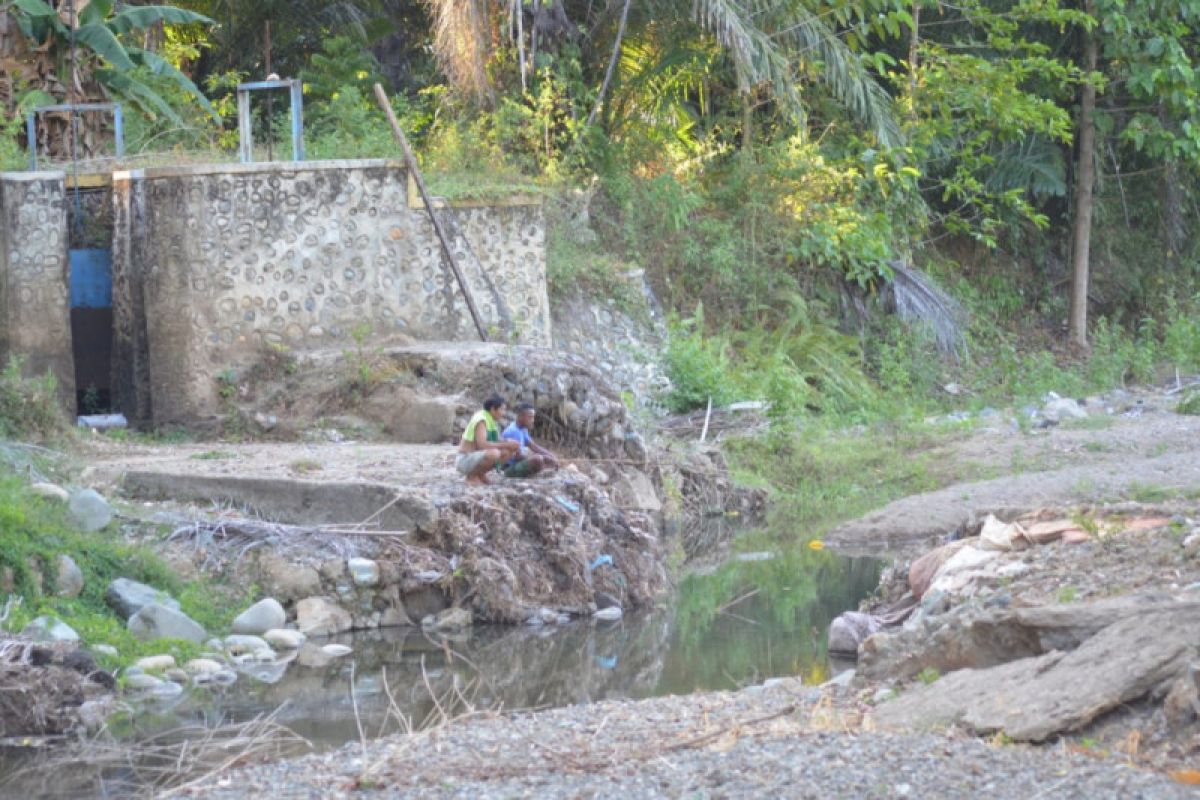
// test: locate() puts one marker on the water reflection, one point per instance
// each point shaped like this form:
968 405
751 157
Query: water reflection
746 621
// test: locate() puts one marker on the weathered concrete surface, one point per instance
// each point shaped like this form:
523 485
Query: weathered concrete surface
925 519
295 500
35 312
212 264
1033 698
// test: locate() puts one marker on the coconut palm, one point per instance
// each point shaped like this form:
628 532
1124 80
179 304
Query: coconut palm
767 43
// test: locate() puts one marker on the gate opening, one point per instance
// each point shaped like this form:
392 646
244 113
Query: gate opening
89 217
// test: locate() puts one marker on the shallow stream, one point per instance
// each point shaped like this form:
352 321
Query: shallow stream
761 615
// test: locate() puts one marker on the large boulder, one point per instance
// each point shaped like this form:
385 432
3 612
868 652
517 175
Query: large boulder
849 630
261 617
1034 698
90 510
156 621
320 616
128 597
69 578
632 489
49 629
287 580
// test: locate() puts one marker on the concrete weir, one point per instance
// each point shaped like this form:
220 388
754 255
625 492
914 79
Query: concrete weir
207 266
390 534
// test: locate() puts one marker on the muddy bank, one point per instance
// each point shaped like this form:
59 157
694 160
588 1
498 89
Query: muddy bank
513 553
48 689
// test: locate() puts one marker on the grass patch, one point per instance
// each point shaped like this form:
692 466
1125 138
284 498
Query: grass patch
1092 422
212 455
928 675
305 465
1190 404
29 408
34 531
1152 493
822 478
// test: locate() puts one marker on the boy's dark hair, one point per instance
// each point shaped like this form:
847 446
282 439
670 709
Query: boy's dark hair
493 402
523 407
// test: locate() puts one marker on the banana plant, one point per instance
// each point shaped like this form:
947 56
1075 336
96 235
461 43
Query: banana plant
96 35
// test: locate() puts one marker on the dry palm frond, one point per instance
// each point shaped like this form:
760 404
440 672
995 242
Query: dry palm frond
919 298
462 40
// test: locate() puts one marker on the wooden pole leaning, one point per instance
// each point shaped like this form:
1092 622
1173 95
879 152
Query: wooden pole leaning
411 162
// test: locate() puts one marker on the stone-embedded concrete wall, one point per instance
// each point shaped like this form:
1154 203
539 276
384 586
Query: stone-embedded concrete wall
213 263
625 341
35 276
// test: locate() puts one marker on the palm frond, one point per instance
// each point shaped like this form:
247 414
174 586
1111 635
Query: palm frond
462 42
1033 165
762 57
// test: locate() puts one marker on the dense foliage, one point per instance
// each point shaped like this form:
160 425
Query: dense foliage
765 164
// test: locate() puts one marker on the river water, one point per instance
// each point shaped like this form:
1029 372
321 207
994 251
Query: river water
761 615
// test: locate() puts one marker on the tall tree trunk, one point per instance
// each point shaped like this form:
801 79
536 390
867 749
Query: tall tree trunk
748 121
1077 327
1174 230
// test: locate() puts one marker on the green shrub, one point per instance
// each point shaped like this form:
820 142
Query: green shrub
698 365
1190 404
29 408
34 531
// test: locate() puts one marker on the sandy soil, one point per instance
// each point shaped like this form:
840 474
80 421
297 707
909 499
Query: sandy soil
1143 451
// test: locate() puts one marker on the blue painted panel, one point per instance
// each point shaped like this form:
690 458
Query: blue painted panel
91 278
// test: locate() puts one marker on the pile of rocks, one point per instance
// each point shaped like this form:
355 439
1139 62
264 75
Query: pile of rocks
1047 624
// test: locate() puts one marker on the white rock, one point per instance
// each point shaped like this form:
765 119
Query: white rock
336 650
997 535
1191 545
140 681
1063 408
363 571
610 614
105 650
260 617
203 666
155 663
961 569
284 639
50 491
1013 570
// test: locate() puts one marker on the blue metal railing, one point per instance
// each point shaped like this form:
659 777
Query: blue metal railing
245 122
74 108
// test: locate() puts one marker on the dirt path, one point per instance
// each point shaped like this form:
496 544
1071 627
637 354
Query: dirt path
1150 453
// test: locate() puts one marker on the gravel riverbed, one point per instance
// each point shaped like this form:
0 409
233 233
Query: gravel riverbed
778 740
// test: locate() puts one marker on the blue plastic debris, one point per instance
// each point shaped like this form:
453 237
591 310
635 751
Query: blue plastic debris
607 662
600 561
567 504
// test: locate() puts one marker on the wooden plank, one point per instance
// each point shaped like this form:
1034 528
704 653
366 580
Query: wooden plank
413 170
